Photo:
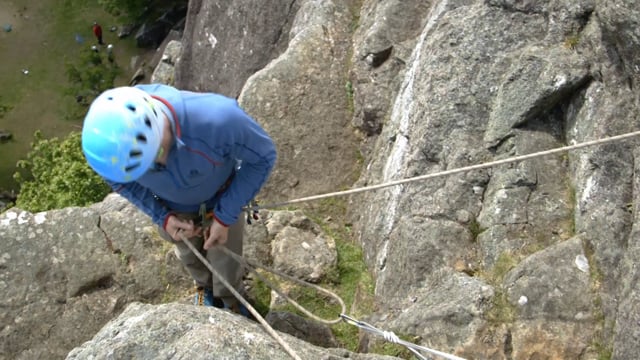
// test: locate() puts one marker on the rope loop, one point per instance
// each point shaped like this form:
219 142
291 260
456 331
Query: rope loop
253 266
240 298
390 336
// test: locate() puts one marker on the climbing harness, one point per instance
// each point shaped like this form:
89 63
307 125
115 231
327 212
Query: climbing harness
206 218
252 211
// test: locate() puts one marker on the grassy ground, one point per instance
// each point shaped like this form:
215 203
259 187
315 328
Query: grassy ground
42 40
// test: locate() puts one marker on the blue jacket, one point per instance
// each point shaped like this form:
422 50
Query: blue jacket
217 147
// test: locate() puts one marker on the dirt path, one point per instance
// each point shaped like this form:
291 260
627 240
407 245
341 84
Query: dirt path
9 14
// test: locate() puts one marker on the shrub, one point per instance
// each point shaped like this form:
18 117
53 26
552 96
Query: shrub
56 175
93 73
126 9
3 109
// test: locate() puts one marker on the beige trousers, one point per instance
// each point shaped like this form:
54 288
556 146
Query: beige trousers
227 267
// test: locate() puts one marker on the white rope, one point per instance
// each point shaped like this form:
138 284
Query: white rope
387 335
392 337
452 171
235 293
252 266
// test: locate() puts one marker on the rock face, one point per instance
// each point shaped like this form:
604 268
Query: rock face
175 331
225 42
164 72
5 136
300 248
477 87
527 260
301 100
65 273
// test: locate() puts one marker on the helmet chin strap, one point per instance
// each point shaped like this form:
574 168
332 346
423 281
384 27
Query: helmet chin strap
160 152
165 143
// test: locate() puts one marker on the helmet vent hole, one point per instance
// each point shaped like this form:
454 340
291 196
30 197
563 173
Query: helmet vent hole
131 167
141 138
131 107
135 153
147 122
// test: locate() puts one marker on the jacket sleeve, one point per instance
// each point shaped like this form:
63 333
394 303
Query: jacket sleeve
251 147
144 200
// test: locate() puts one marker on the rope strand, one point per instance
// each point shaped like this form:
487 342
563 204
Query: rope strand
451 172
392 337
244 302
252 266
387 335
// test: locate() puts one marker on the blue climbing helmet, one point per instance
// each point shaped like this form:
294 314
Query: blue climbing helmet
121 134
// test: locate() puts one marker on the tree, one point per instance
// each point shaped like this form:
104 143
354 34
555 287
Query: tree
137 11
90 76
129 10
56 175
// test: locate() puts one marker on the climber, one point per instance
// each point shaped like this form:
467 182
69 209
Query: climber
173 153
97 31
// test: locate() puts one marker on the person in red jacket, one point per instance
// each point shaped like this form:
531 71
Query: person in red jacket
97 31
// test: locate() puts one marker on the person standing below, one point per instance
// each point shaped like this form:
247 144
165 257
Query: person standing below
110 55
97 31
172 153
